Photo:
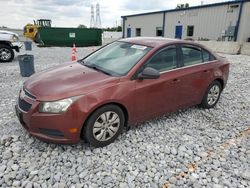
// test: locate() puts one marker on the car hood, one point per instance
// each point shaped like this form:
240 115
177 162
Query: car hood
7 32
67 80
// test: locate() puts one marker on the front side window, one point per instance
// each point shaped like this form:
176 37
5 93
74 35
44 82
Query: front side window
191 55
31 30
117 58
164 60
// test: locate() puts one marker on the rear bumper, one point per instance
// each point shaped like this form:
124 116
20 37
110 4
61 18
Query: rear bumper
54 128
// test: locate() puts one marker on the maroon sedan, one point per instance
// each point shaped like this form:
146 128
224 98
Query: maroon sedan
125 82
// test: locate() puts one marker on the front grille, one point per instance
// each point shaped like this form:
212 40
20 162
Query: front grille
28 94
23 105
20 116
51 132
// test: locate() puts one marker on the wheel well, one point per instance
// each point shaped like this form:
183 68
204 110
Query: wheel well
125 112
5 43
221 82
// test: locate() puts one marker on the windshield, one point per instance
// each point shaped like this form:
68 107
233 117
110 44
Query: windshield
117 58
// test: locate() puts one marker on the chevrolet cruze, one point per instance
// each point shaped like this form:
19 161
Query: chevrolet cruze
121 84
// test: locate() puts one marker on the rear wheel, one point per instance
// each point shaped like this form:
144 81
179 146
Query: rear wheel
37 38
212 95
6 53
104 125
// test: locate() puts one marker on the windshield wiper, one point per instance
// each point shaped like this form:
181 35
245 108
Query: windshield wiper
97 69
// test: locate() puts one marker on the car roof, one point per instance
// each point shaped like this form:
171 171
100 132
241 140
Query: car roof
150 41
160 41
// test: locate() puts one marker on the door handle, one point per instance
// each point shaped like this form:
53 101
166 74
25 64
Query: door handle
206 71
175 80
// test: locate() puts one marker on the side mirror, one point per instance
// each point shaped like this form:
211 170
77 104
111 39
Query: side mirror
149 73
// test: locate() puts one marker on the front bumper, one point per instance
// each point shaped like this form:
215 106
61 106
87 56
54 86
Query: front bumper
16 46
55 128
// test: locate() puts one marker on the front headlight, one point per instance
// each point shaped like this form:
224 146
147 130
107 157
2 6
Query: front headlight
15 38
56 106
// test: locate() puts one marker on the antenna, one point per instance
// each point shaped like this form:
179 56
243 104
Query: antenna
98 23
92 21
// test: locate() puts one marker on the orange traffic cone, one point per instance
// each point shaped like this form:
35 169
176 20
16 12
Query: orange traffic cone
74 48
73 56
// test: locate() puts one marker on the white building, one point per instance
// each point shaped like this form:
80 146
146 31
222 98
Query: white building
229 21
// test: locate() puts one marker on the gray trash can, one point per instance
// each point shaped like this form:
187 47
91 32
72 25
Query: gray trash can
26 64
28 45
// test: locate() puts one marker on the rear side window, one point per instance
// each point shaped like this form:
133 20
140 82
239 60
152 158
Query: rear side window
163 60
191 55
207 56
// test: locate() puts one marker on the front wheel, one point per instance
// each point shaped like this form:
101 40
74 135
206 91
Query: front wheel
6 53
212 95
104 125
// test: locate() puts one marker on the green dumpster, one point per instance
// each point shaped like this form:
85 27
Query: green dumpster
56 36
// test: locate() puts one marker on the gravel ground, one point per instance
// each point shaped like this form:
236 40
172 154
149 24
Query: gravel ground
189 148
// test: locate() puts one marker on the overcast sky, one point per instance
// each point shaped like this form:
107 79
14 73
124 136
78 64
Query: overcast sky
71 13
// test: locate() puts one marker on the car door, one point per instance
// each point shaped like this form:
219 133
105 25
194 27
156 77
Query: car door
195 73
158 96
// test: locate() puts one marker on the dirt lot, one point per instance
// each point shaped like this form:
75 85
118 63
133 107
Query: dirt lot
189 148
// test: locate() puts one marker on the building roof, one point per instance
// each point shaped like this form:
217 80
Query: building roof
189 8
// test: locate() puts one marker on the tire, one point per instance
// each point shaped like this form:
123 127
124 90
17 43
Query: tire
212 95
37 38
6 53
104 126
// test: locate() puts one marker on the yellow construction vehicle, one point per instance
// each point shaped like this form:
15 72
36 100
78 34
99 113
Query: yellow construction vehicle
31 30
